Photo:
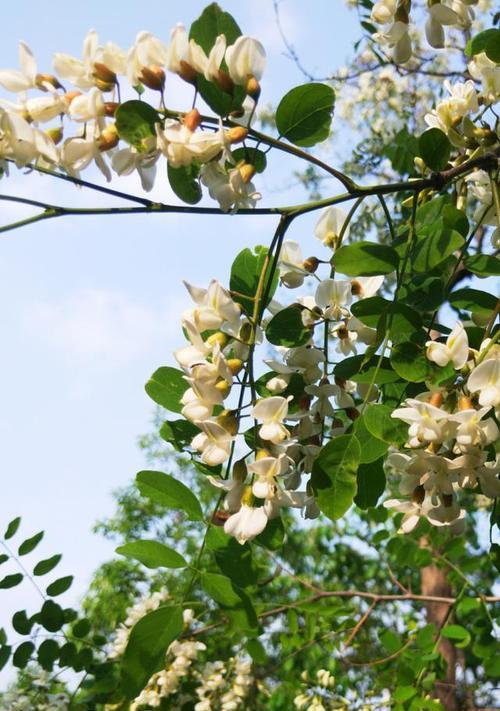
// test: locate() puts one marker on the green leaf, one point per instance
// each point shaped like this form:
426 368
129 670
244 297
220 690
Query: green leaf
370 483
10 581
405 322
147 644
483 265
495 555
48 652
365 259
257 651
434 245
135 123
12 528
410 362
81 628
353 369
184 182
434 148
3 558
287 329
178 432
152 554
381 425
59 586
233 559
401 151
22 655
334 475
166 387
403 693
169 492
455 219
21 622
272 536
213 22
474 300
231 598
372 448
30 544
5 651
252 156
51 616
304 114
369 310
45 566
423 293
457 634
246 271
487 41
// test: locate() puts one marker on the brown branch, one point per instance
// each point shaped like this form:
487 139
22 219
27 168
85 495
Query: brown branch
359 625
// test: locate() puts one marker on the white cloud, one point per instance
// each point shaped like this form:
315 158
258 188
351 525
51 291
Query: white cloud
102 326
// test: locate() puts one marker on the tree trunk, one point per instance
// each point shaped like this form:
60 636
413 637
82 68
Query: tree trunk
434 582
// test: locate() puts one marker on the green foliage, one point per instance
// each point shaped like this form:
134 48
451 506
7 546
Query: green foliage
334 475
166 387
246 272
169 492
135 123
304 114
147 645
434 148
184 182
152 554
365 259
488 42
287 329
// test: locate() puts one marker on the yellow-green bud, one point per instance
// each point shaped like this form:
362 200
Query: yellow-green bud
235 365
217 337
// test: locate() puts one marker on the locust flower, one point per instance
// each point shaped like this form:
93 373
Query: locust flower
214 442
485 379
456 349
330 225
271 412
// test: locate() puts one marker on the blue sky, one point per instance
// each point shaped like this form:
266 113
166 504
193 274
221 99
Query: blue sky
89 307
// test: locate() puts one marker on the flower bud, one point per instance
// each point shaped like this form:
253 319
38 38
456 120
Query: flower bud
336 423
240 470
341 382
110 108
108 139
223 387
220 517
247 171
310 264
56 134
153 77
192 119
103 73
217 337
235 365
252 88
352 413
447 500
236 134
418 495
436 399
224 82
187 72
262 454
42 79
237 113
304 402
228 421
104 85
465 403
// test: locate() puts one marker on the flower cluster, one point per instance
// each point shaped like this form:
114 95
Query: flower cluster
37 680
295 406
34 129
224 685
394 16
450 436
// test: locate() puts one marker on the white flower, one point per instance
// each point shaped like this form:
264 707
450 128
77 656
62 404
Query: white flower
86 107
245 59
383 11
485 379
246 523
234 488
427 423
330 225
397 37
272 411
126 160
291 261
229 188
456 349
412 511
181 146
364 287
214 442
22 142
334 295
215 307
147 51
82 72
471 431
439 15
267 470
17 81
484 69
